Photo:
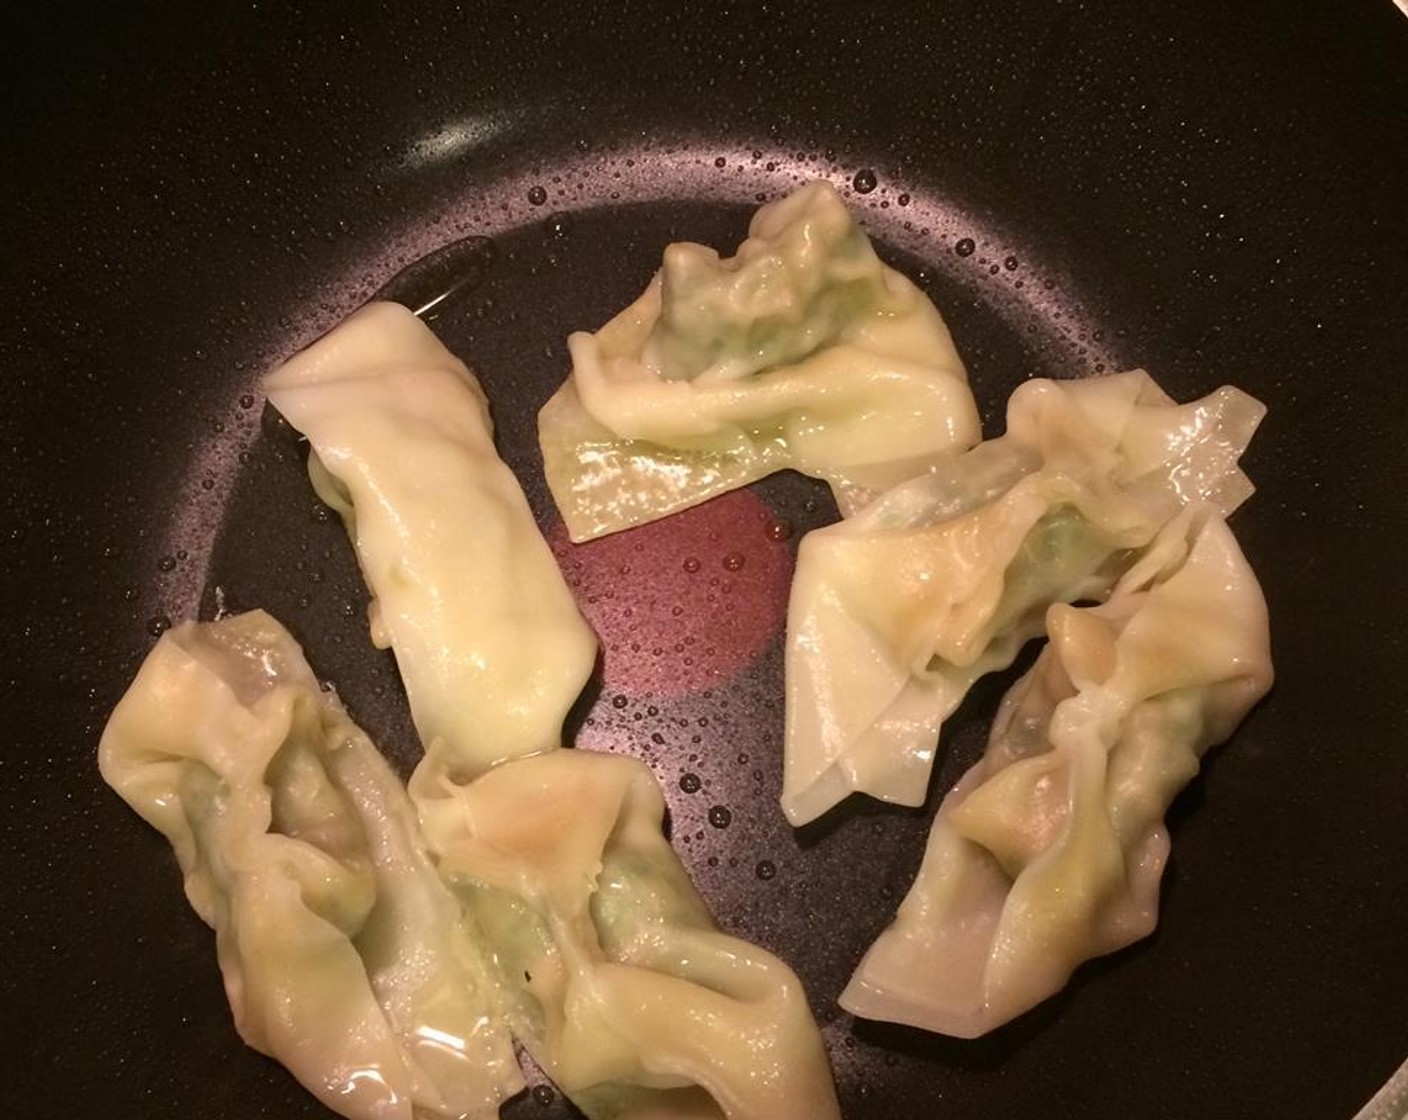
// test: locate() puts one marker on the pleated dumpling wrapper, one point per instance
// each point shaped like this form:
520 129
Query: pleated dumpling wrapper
489 642
623 989
344 955
897 611
1049 851
803 350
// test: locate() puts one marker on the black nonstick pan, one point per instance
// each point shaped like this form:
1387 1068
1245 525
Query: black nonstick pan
1215 192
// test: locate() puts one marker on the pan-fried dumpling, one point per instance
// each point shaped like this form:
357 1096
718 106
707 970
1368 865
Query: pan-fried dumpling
801 351
1049 851
344 954
490 645
623 988
895 612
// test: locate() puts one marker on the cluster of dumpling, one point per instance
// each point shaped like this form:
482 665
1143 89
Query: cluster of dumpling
1097 519
390 943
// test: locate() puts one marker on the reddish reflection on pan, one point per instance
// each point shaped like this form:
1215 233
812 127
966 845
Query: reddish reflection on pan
683 603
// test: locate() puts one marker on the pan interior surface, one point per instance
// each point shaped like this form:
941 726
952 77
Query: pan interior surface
1212 195
690 611
697 694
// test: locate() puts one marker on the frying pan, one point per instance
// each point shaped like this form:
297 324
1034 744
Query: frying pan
1215 192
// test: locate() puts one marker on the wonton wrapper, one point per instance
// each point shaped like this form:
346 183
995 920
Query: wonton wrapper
895 612
489 642
801 351
624 990
1049 851
344 955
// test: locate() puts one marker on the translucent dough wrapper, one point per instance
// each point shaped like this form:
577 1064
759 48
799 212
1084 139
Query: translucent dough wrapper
804 351
1049 851
344 955
489 642
622 987
897 611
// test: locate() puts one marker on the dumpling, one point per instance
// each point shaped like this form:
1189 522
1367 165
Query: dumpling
801 351
895 612
1049 851
623 988
490 644
344 955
